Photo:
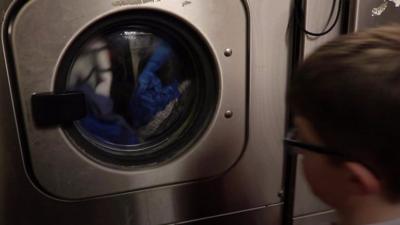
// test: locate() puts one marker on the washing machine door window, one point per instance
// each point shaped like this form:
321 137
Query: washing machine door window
148 93
133 85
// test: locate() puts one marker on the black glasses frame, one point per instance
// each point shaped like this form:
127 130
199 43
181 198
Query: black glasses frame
289 141
314 148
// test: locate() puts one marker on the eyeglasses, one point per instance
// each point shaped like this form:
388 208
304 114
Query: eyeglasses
290 140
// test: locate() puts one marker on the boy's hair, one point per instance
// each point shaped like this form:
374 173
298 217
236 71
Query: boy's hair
349 90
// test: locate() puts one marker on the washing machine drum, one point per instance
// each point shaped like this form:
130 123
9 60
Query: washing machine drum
148 89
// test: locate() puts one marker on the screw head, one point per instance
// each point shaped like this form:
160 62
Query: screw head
228 52
228 114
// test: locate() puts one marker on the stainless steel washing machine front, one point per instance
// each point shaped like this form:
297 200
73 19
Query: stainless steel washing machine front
128 95
251 185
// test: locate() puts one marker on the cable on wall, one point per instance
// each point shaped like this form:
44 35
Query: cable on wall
299 14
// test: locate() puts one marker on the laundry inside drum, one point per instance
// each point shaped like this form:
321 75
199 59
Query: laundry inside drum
138 88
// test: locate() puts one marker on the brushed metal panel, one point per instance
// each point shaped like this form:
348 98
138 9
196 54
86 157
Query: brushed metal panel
322 218
253 182
259 216
317 20
3 7
268 77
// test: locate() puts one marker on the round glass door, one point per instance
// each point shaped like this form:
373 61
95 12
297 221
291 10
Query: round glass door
150 89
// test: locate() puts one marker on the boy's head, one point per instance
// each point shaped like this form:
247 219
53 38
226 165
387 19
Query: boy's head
346 98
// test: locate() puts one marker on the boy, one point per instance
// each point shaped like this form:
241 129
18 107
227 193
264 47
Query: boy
346 102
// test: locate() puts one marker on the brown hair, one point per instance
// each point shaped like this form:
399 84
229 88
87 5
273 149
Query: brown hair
349 90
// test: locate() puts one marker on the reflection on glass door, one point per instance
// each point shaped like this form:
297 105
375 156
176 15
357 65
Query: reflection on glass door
135 86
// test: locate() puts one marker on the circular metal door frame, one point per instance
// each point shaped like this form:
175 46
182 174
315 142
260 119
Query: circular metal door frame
193 49
57 166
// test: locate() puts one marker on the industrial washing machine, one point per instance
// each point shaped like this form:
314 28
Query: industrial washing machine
121 98
142 111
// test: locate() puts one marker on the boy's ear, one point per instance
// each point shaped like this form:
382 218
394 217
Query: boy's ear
362 180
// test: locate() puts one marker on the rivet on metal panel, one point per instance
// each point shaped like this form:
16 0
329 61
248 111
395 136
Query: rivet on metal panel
228 114
228 52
